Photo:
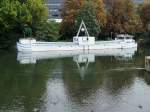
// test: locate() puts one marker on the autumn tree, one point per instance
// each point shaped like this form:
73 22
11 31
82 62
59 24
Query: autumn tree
68 15
71 9
100 11
121 16
144 11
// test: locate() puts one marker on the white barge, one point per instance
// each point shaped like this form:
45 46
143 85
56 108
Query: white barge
122 41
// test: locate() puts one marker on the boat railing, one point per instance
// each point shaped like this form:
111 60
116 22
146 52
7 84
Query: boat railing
54 44
110 41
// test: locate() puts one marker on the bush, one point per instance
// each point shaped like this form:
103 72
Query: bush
48 31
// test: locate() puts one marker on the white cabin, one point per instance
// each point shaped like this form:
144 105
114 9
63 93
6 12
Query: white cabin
83 40
125 38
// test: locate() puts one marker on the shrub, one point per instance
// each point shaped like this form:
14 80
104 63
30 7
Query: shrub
48 31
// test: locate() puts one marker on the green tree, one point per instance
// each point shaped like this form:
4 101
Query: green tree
48 31
12 15
38 11
144 11
15 14
87 13
72 8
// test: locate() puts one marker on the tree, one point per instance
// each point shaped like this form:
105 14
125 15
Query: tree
121 17
12 15
48 31
87 13
71 11
100 11
68 15
38 11
15 14
144 11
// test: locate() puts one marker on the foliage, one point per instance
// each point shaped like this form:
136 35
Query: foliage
48 31
87 13
71 11
38 11
121 17
68 15
100 11
144 11
15 14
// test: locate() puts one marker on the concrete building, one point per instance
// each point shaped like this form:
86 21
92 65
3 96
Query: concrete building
55 7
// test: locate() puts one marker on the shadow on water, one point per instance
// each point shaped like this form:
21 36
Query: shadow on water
85 82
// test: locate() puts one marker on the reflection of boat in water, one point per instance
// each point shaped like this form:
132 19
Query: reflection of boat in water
87 42
32 57
81 58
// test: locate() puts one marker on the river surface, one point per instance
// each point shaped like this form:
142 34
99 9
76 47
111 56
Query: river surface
111 81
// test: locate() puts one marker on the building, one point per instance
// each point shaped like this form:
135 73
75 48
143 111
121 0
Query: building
55 7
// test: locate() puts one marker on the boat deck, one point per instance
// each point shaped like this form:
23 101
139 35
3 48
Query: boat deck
72 43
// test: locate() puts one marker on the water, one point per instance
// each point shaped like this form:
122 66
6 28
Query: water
31 83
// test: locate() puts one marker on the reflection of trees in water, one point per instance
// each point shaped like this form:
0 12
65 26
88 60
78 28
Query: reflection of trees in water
22 86
117 81
98 75
78 87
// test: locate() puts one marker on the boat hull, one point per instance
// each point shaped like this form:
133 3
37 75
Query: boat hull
70 46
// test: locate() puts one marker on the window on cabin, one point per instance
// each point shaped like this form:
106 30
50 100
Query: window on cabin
127 37
120 38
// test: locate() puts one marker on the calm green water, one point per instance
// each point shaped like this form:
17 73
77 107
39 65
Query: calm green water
110 84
